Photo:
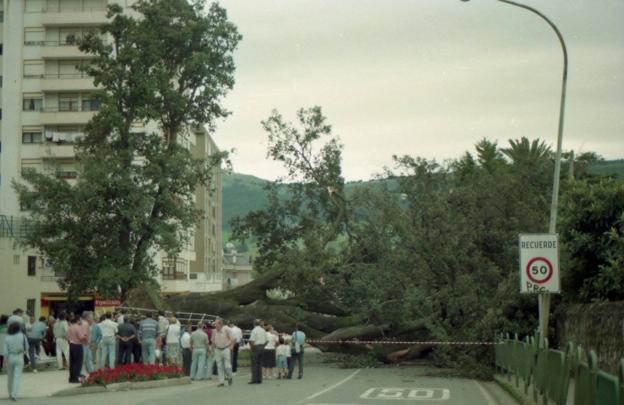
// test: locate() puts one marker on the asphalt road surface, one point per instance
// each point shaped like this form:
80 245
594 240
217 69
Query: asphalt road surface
321 385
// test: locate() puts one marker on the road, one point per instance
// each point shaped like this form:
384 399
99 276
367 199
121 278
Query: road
321 385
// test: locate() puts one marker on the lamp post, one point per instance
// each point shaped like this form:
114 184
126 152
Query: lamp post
544 298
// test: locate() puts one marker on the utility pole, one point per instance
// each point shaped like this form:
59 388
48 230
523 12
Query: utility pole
543 299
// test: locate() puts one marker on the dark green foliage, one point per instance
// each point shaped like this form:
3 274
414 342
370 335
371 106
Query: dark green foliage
429 244
435 243
592 228
165 71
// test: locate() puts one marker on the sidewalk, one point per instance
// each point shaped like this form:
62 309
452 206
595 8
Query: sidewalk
41 384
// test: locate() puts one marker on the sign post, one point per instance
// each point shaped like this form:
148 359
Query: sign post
539 263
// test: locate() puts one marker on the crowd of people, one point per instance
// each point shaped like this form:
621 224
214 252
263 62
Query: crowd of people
82 344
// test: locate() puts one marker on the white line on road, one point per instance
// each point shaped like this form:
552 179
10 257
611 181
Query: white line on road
331 387
486 394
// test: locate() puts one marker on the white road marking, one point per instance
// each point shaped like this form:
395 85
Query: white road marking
407 394
331 387
486 394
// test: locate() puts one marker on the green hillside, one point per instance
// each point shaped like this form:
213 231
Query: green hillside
243 193
609 167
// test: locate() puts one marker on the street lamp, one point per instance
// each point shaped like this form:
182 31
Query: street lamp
544 298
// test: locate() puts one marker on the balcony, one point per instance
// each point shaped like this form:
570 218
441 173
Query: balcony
66 174
57 151
67 82
178 275
51 278
79 17
54 116
62 50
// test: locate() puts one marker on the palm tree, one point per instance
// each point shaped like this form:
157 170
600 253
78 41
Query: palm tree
524 152
488 155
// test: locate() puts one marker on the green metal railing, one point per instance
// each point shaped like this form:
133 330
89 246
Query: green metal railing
548 372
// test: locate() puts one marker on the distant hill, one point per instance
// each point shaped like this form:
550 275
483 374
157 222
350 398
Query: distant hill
609 167
243 193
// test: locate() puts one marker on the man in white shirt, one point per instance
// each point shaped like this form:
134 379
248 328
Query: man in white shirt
237 335
121 318
257 340
163 324
59 329
108 342
223 343
187 352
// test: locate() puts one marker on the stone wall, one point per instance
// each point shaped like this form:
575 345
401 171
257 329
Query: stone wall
598 327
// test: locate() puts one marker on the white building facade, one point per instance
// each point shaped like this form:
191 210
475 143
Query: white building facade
46 102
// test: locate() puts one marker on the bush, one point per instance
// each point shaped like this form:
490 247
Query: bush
132 373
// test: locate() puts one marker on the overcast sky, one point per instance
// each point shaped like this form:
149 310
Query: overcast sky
426 78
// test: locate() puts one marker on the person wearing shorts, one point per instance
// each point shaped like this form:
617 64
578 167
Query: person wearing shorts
282 353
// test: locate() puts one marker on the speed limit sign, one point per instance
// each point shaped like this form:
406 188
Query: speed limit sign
539 263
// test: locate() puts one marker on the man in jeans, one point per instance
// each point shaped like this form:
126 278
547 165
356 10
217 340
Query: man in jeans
237 335
148 331
87 362
36 333
127 333
108 344
95 342
298 340
223 344
199 344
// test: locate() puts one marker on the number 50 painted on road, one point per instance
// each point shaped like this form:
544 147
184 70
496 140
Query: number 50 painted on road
407 394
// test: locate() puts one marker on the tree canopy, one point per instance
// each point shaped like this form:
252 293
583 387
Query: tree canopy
429 253
162 71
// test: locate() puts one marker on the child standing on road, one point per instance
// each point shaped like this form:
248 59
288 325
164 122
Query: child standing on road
282 353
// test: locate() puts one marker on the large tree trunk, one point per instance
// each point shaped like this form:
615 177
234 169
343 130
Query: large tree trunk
321 319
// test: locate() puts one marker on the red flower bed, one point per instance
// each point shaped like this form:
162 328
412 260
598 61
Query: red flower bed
131 373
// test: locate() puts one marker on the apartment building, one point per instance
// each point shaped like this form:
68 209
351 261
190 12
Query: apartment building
46 103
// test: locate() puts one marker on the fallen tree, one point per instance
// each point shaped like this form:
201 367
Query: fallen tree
321 320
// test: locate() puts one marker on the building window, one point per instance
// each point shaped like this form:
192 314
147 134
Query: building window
70 36
33 68
32 102
31 165
89 103
29 136
33 36
63 134
68 69
173 269
32 266
30 306
69 102
66 174
16 259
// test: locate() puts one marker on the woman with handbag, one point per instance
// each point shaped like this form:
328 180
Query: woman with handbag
15 346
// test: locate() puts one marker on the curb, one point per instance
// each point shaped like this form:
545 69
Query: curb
511 389
124 386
